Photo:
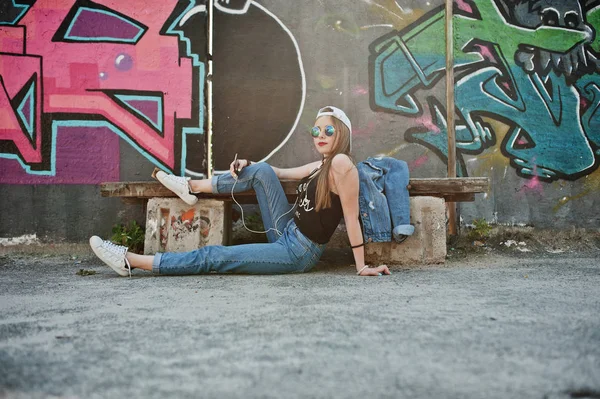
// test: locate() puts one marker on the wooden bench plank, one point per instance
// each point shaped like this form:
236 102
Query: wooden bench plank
457 189
436 187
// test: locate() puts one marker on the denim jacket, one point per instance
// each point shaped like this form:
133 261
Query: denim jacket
383 200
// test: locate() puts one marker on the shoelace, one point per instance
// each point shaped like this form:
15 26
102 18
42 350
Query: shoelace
118 250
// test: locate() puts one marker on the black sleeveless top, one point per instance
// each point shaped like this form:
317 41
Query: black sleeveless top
318 226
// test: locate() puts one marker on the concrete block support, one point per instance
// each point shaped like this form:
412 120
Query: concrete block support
174 226
426 246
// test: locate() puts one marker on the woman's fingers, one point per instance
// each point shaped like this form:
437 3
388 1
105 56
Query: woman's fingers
379 271
376 271
384 269
236 166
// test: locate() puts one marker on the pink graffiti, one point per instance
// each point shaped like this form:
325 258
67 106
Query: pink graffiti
422 160
359 91
532 185
486 53
464 6
70 77
75 163
584 104
365 131
426 121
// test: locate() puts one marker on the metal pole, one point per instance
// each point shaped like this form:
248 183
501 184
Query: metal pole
450 111
209 94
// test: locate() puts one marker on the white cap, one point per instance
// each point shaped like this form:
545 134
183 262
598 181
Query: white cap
338 114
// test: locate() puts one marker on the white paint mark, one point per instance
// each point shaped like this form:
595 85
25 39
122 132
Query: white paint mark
26 239
371 205
380 6
550 9
400 7
377 26
219 7
152 225
191 13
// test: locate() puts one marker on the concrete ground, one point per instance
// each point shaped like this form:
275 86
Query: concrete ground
482 326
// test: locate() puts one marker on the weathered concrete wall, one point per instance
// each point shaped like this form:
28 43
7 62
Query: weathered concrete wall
106 90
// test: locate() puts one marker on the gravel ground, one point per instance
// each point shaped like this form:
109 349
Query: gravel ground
489 325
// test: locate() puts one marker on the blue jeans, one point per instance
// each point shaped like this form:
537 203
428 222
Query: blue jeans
291 252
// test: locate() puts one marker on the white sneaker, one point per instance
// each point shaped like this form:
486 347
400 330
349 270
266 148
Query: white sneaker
179 185
111 254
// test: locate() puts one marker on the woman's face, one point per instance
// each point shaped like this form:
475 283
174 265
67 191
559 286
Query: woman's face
323 142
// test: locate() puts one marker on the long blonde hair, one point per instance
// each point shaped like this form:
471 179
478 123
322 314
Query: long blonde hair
341 145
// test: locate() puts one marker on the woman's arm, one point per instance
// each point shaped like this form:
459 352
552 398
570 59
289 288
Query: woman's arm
297 173
345 179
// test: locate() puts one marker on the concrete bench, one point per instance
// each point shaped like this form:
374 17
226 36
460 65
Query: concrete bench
172 225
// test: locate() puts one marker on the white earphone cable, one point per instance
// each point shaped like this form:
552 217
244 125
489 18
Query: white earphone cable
279 233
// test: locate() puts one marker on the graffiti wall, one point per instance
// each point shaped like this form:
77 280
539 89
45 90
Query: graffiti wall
78 75
94 91
106 90
526 100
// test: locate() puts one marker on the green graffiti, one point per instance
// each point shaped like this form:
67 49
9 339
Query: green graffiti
523 76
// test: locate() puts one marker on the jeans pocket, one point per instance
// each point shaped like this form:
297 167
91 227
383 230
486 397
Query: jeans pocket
297 245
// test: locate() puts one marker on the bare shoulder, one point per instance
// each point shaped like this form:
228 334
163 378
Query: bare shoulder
341 163
343 173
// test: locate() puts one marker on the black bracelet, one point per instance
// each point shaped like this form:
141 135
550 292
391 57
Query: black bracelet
359 245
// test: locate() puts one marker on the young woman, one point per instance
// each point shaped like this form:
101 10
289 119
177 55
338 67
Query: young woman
328 190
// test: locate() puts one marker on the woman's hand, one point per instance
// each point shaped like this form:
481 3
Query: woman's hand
375 271
238 165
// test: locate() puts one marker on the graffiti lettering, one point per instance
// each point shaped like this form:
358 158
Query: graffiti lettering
528 65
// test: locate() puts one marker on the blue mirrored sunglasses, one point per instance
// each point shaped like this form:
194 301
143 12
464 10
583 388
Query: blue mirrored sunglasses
329 131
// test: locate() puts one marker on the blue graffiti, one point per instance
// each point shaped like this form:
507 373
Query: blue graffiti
543 83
